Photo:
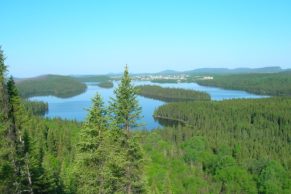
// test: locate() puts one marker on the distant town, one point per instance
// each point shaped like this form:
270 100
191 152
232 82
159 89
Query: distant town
178 78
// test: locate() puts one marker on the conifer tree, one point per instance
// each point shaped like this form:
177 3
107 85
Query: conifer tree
6 162
18 117
97 114
14 162
125 112
91 169
22 155
124 108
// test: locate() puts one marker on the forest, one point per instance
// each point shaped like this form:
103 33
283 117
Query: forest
100 155
105 84
241 145
230 146
171 94
50 85
273 84
35 107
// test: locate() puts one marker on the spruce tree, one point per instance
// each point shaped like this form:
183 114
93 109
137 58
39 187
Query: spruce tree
97 115
7 183
21 155
125 110
14 162
91 170
18 118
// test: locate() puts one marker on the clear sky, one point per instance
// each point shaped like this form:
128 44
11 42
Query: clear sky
101 36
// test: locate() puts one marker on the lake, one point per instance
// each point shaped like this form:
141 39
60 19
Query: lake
75 108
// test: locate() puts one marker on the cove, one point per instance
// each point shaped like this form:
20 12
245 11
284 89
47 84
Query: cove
76 108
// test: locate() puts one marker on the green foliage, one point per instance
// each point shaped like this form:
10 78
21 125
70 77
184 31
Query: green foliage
125 111
34 152
196 150
52 151
6 164
109 159
92 158
171 94
240 145
39 155
97 115
232 146
235 179
105 84
165 168
251 127
54 85
37 108
274 179
20 153
275 84
124 108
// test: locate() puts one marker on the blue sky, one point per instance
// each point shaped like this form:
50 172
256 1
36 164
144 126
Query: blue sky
101 36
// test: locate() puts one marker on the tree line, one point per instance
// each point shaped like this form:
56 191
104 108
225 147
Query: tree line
274 84
36 107
171 94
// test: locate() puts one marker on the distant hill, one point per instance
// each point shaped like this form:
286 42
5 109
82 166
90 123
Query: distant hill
274 84
242 70
92 78
208 70
168 72
274 69
287 70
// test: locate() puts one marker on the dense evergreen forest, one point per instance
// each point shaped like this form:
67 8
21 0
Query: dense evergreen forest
101 155
274 84
36 107
240 146
231 146
171 94
54 85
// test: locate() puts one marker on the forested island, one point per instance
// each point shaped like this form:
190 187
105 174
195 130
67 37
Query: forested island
105 84
274 84
171 94
50 85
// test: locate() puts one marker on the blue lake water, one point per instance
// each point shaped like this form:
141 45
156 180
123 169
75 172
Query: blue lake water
76 107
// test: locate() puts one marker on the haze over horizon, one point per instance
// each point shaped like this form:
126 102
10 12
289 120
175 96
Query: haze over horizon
98 37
